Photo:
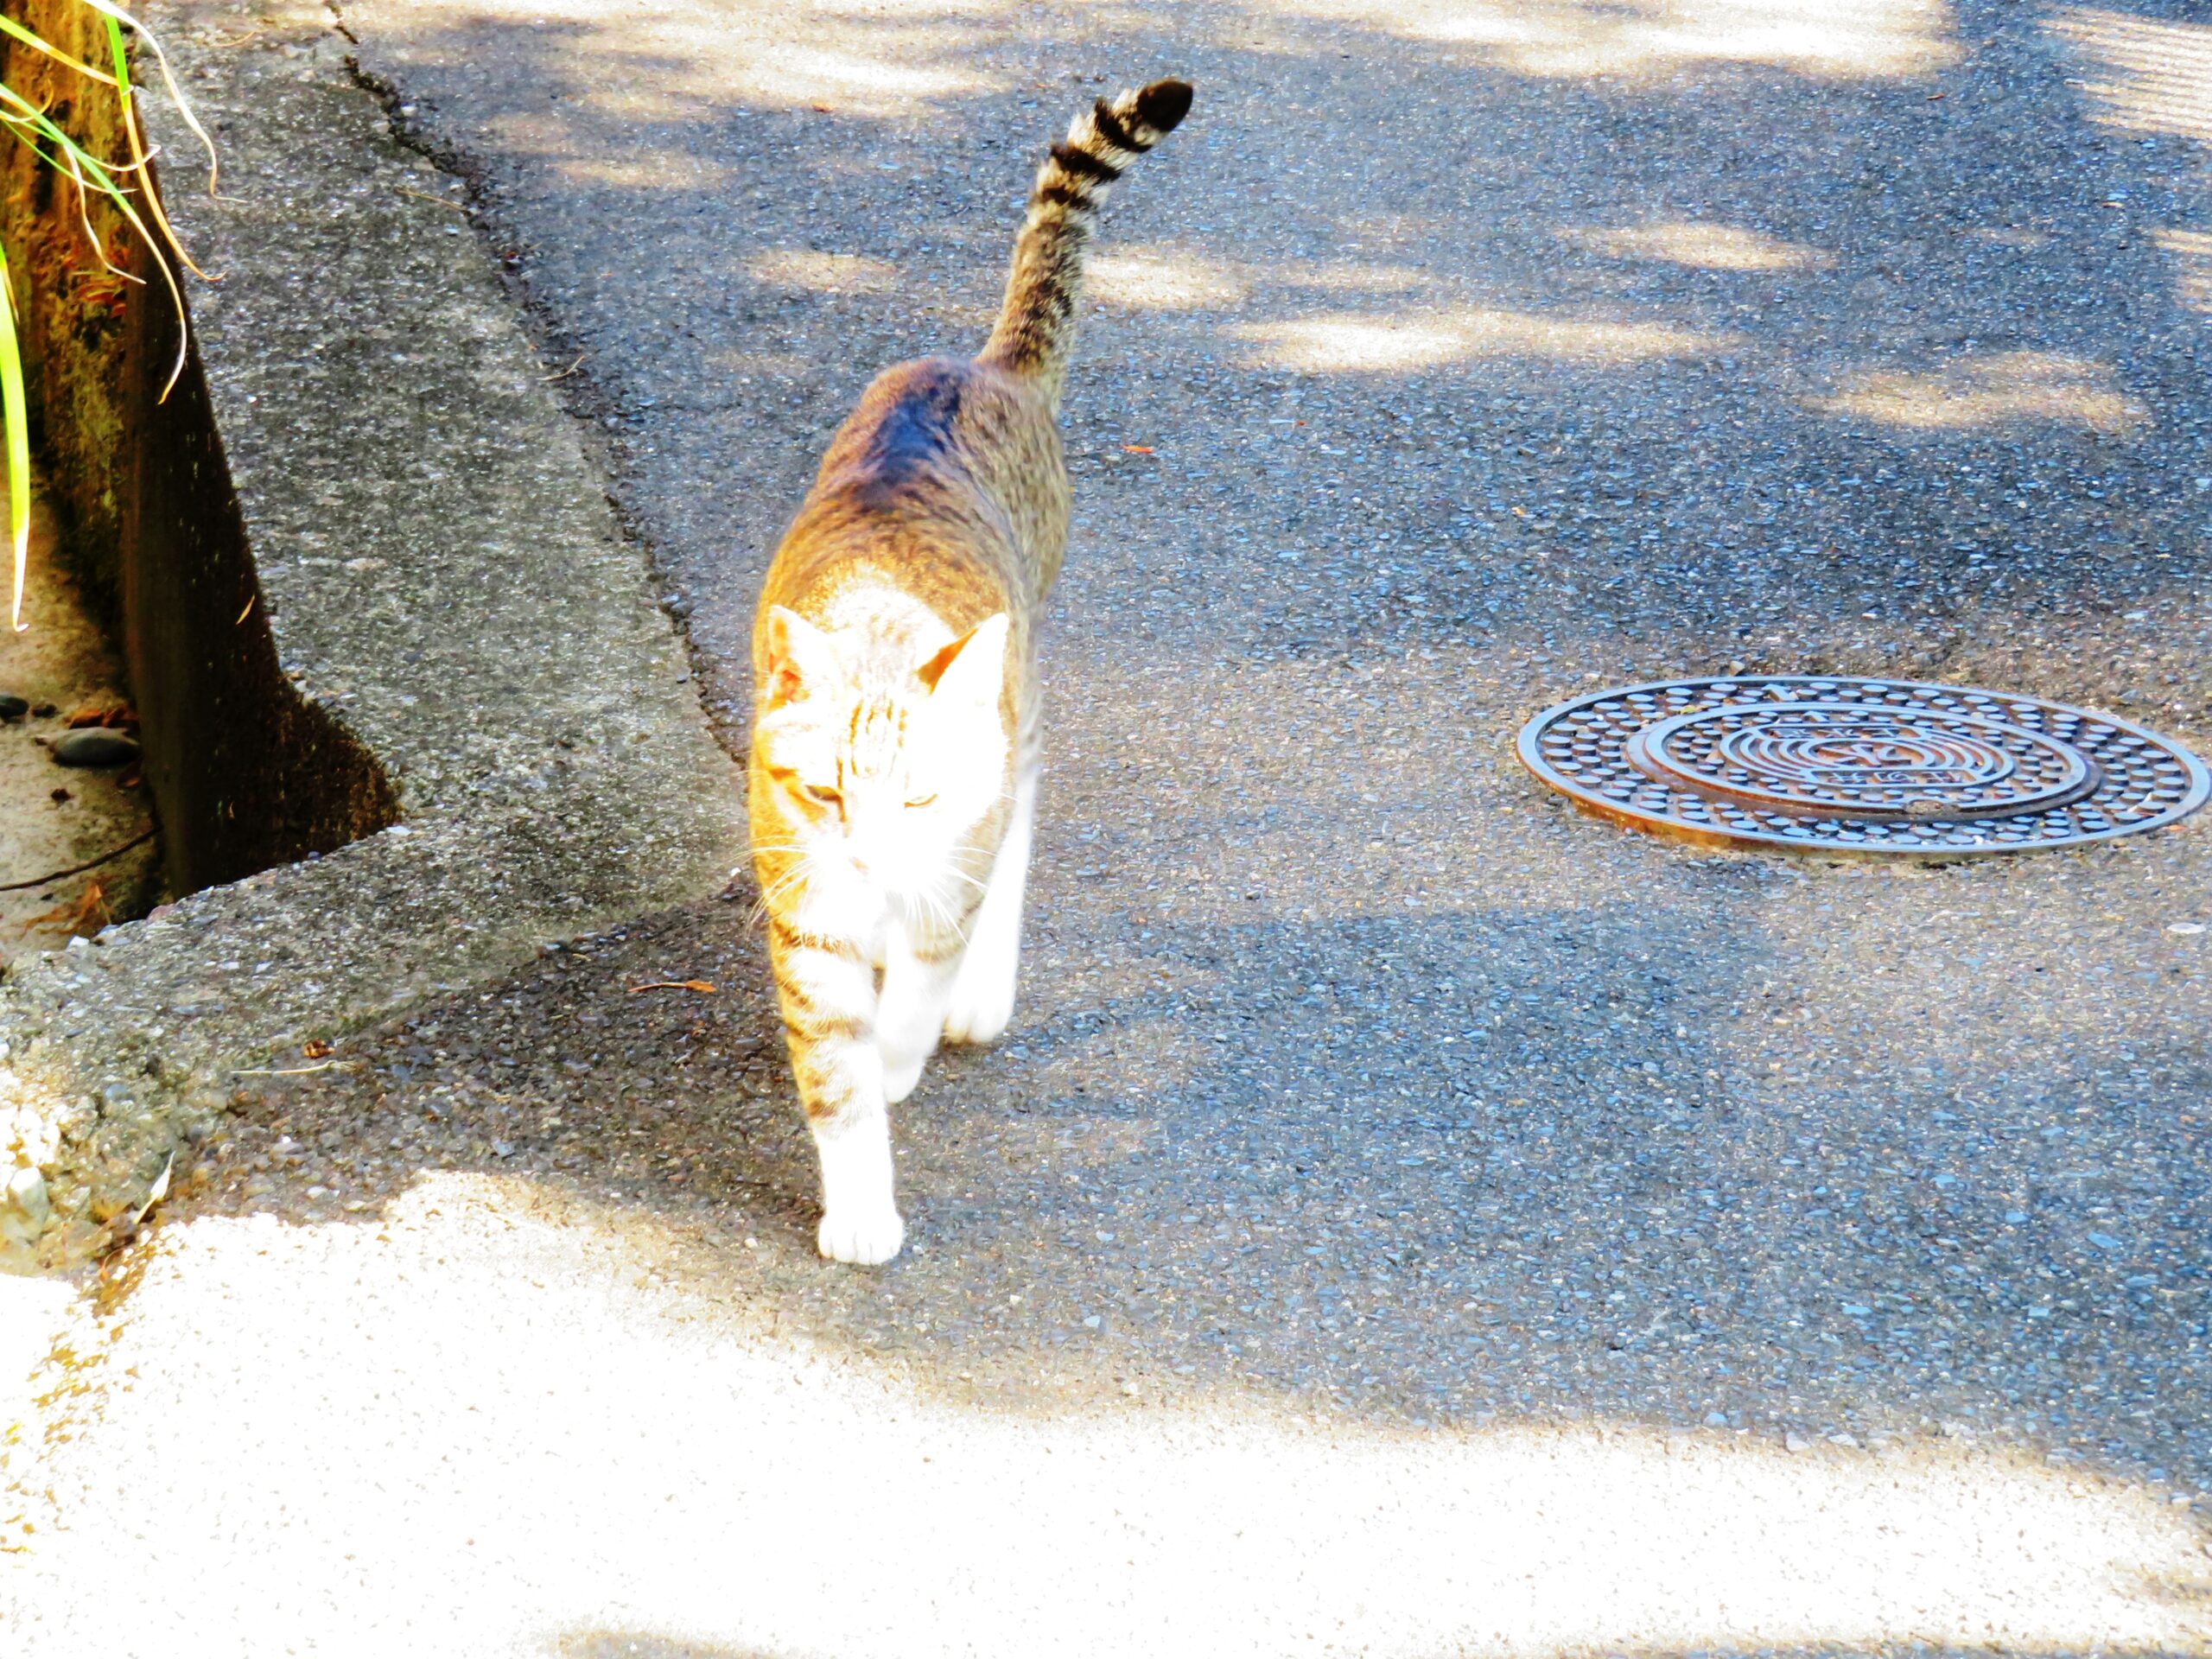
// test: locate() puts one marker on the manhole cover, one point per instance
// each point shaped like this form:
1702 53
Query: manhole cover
1861 766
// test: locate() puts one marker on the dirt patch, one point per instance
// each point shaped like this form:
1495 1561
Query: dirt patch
89 829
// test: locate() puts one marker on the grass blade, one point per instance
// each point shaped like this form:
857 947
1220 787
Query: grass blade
115 13
14 417
129 104
8 26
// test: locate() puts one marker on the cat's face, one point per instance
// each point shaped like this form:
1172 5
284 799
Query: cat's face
877 770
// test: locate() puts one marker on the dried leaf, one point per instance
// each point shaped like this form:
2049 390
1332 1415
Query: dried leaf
88 915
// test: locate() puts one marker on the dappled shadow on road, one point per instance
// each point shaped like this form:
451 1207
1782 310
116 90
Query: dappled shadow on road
1808 338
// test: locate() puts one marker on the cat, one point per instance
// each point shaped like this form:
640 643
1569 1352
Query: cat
893 778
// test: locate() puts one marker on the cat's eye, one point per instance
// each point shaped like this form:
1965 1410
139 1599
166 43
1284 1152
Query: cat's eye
929 799
821 794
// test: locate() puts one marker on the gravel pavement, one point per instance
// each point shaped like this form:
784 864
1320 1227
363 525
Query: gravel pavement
1451 359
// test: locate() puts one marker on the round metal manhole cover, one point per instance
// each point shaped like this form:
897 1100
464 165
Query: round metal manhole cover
1863 766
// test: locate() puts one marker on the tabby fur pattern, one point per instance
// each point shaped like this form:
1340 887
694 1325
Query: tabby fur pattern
893 770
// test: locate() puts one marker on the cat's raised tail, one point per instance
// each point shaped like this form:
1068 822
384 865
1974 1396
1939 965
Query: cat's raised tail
1037 321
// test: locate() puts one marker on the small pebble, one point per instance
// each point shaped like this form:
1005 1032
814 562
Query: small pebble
14 707
95 746
26 1196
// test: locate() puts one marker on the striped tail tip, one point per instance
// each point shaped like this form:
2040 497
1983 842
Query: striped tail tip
1037 320
1118 131
1161 107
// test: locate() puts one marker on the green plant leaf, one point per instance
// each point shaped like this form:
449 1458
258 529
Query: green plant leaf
14 418
121 60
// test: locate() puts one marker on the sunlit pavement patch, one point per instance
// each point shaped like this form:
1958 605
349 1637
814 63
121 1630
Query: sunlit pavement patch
529 1425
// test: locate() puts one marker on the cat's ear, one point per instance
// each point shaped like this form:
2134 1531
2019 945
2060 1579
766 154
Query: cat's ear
972 668
800 655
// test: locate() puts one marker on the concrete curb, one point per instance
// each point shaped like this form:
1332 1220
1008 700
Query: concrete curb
443 574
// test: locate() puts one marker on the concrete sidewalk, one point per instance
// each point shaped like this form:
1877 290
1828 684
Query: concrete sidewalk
442 576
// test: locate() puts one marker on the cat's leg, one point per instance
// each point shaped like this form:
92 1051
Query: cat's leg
982 993
909 1009
828 991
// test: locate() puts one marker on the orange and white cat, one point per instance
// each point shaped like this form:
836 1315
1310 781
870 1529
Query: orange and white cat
893 776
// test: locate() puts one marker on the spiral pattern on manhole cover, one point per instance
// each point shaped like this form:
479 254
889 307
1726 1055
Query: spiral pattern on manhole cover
1864 766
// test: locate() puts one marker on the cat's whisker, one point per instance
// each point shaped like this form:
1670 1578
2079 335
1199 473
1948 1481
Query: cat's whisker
784 884
942 913
777 889
780 883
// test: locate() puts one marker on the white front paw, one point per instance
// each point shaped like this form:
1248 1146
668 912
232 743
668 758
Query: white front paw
899 1078
866 1238
982 1001
860 1220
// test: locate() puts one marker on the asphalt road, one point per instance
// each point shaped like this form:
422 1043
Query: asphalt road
1390 1077
1452 359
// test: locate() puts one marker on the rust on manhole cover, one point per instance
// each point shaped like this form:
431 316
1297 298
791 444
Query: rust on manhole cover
1863 766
